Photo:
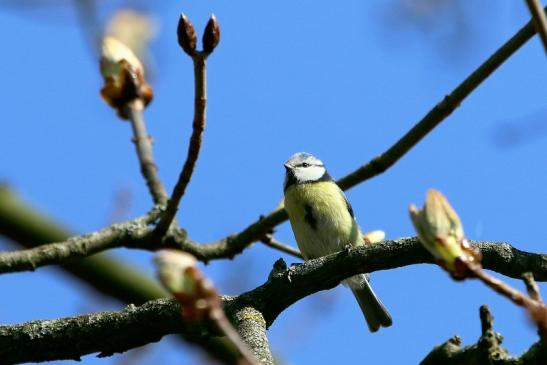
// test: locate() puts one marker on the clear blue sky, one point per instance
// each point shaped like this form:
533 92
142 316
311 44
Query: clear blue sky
340 80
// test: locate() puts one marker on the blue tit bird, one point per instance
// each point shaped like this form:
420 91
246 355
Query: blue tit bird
323 222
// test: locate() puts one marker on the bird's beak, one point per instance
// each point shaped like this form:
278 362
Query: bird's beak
287 166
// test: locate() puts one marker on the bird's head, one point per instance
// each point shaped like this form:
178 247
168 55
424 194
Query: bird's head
304 168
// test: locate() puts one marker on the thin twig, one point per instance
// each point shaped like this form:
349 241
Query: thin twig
536 309
198 126
143 143
237 243
540 20
502 288
538 314
270 241
531 286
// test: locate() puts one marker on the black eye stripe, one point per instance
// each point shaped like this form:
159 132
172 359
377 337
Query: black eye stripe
307 164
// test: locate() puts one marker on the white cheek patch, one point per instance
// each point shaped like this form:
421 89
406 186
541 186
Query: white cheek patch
311 173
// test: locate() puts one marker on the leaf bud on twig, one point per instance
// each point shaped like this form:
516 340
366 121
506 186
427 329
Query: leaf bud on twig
173 269
211 35
440 231
123 75
179 274
186 35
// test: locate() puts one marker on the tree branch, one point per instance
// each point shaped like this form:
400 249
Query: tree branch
487 350
251 326
270 241
500 257
539 19
104 332
22 224
143 143
198 126
531 286
109 276
77 246
284 287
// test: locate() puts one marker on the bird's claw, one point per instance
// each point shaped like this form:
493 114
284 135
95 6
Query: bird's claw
290 272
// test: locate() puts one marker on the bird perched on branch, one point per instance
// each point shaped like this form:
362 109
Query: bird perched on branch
323 222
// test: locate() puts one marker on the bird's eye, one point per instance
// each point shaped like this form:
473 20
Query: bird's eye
305 164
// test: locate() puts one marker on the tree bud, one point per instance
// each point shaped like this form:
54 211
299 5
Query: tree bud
440 231
186 35
211 35
175 271
123 76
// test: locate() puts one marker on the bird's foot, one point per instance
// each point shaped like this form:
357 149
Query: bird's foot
290 271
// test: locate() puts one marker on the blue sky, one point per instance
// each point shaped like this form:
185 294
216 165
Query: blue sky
341 81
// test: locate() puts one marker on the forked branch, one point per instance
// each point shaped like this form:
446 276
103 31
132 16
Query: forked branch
187 41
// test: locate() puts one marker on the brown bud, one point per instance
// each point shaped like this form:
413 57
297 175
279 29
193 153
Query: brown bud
186 35
211 35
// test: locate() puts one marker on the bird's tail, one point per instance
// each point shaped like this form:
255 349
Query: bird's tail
374 311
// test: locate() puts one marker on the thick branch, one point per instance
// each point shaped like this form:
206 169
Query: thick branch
283 288
251 326
105 332
143 144
198 126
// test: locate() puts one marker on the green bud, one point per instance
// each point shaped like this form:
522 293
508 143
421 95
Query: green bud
176 270
440 231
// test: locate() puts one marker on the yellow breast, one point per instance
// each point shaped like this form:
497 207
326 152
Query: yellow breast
320 218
